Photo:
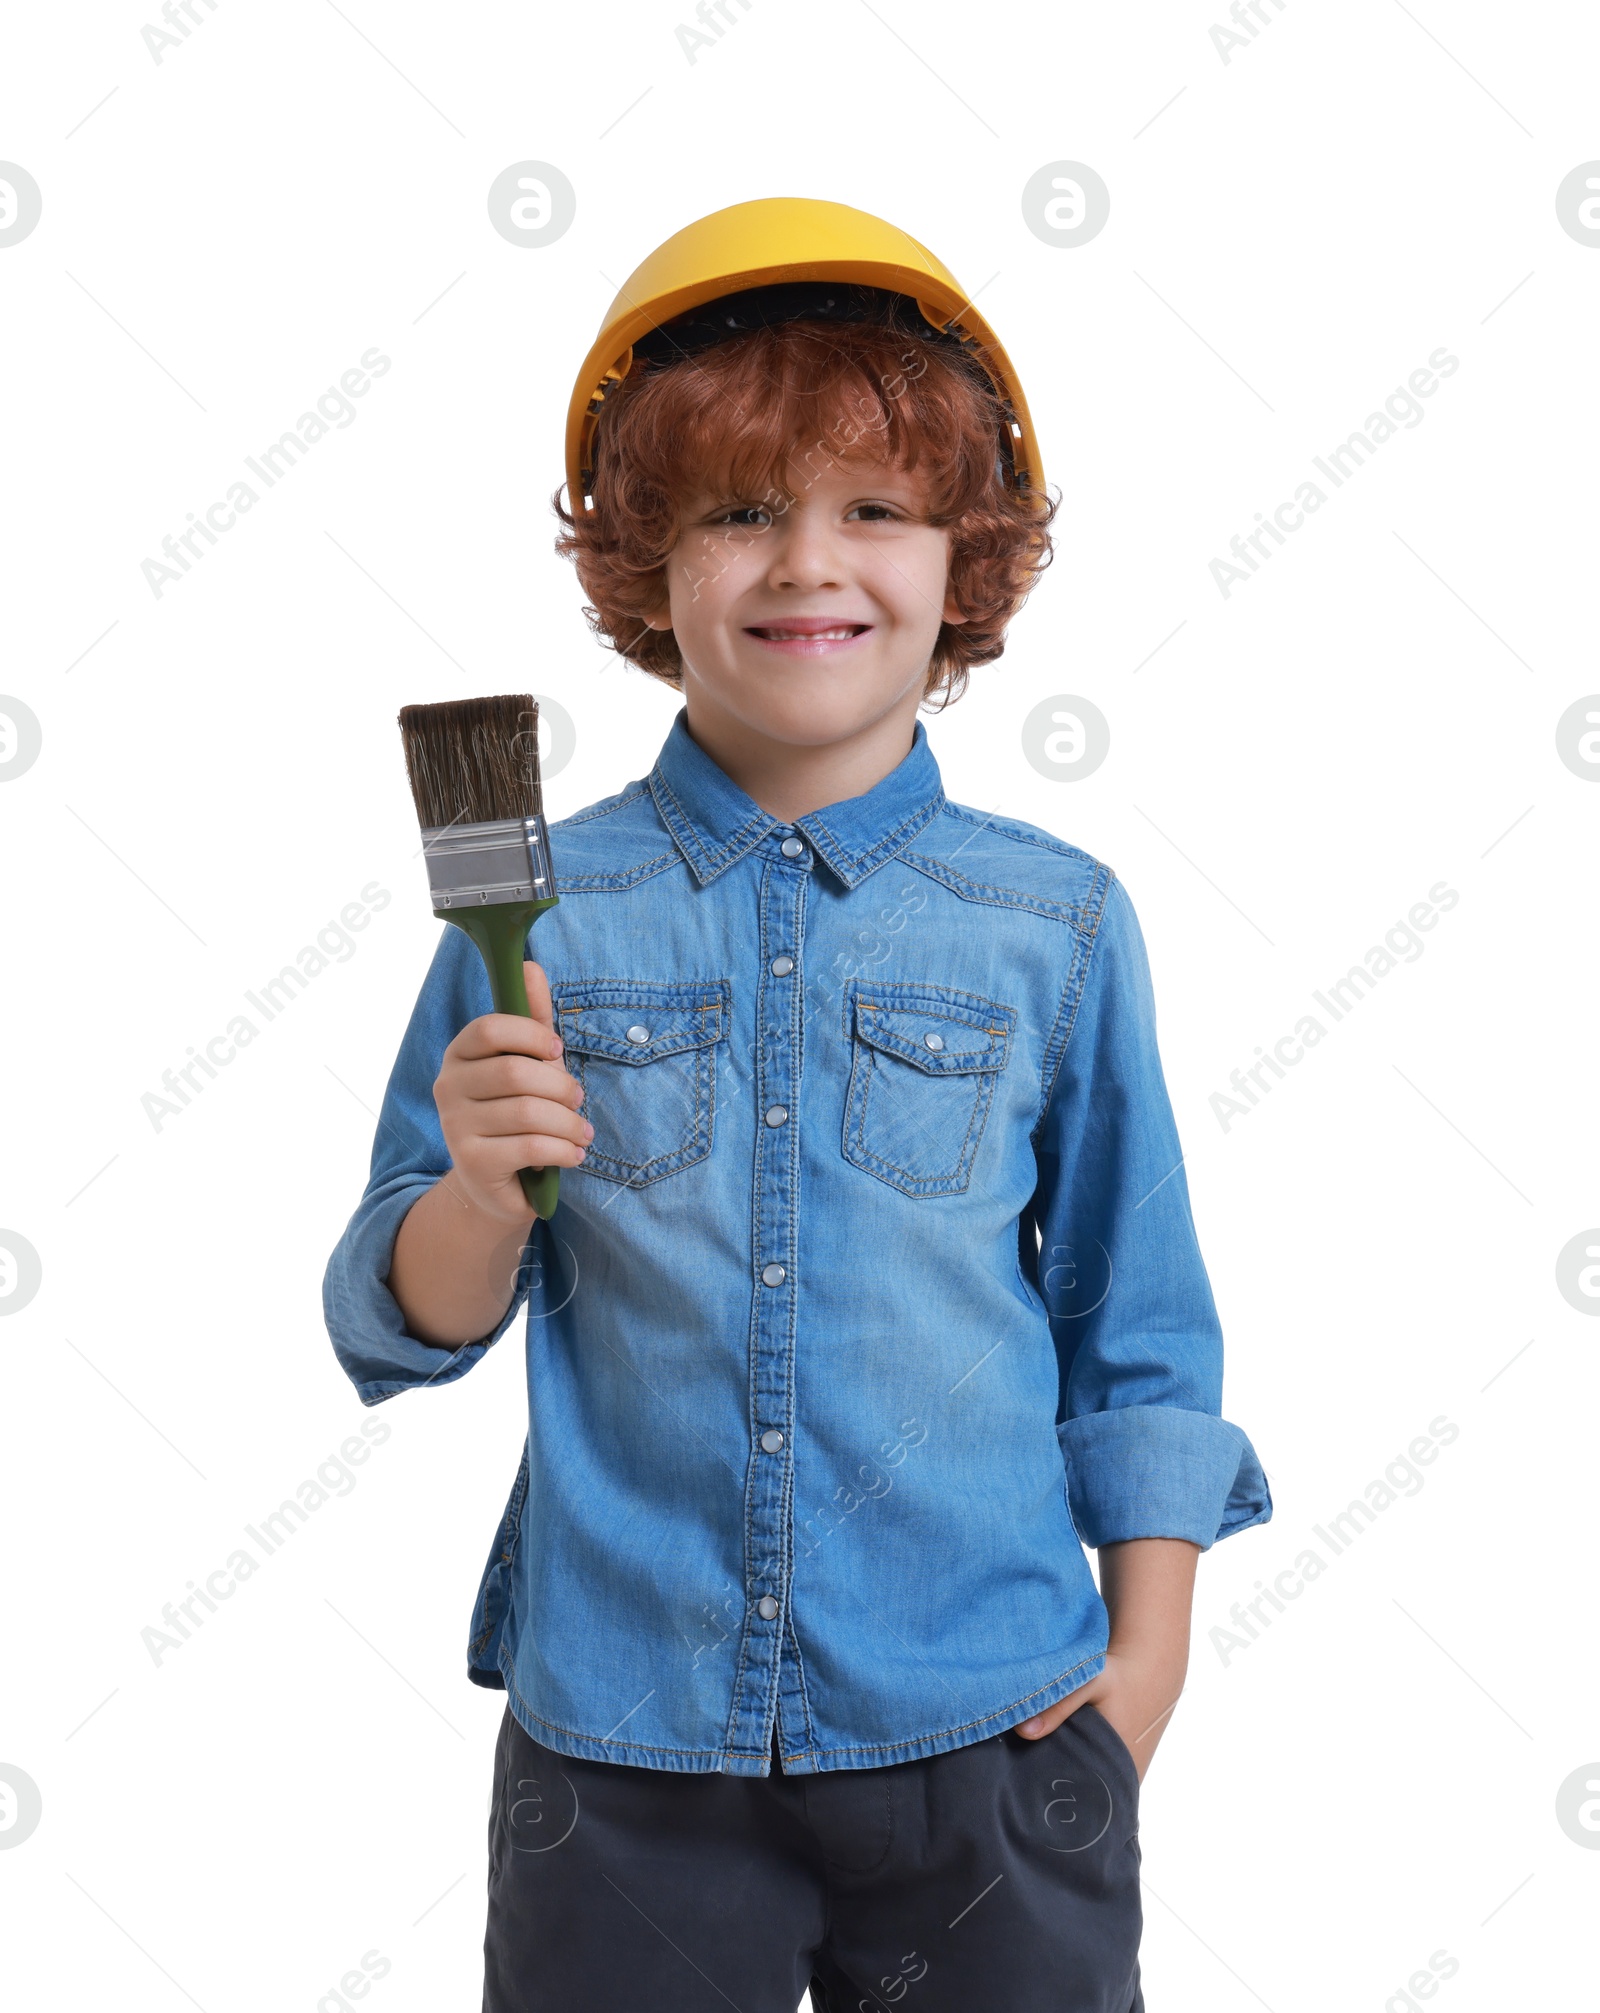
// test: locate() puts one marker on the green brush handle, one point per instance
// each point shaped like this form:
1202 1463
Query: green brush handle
500 930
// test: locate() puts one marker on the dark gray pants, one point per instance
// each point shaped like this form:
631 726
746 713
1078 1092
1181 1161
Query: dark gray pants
997 1878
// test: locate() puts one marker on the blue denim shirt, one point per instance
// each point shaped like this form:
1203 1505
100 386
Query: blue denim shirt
877 1293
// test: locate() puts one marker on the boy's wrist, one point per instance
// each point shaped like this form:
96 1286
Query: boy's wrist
453 1272
1147 1585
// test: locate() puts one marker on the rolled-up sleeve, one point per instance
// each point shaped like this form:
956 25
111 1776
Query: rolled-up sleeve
1138 1341
376 1350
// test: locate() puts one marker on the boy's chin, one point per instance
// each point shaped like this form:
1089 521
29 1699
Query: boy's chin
815 720
806 706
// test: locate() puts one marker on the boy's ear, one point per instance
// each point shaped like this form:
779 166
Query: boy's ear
659 615
952 610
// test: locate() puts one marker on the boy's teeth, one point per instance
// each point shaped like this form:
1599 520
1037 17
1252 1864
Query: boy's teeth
840 635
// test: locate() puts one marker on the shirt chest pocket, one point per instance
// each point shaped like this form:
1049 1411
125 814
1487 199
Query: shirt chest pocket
646 1055
924 1065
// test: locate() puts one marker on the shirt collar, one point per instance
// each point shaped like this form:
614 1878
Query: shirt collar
714 823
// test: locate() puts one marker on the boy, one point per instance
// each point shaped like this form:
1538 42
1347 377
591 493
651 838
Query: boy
874 1286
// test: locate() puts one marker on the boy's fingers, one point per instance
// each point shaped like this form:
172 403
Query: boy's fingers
513 1117
496 1077
538 992
1045 1722
509 1153
509 1034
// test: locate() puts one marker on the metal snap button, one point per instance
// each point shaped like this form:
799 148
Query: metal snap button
771 1440
791 849
639 1034
773 1275
766 1607
781 967
934 1042
777 1114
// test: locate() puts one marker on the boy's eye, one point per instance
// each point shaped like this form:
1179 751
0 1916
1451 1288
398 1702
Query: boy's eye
874 513
754 516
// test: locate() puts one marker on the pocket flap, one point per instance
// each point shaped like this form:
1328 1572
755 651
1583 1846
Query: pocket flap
941 1032
637 1021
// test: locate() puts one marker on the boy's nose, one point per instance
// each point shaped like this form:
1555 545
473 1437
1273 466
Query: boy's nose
806 553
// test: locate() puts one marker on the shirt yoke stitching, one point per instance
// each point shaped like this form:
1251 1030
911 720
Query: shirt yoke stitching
1010 830
967 889
1067 1013
620 803
620 881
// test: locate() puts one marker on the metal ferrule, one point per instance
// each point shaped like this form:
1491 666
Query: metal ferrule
506 860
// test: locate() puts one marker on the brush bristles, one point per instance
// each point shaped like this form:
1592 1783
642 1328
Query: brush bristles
473 760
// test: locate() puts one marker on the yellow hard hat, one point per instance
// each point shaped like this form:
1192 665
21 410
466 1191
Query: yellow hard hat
775 243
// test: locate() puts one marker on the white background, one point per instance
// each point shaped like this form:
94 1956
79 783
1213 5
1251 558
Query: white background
1292 233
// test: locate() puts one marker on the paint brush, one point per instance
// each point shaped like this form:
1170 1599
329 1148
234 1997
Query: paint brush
474 770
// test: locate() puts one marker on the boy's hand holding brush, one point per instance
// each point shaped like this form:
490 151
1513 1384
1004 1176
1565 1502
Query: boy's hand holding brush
507 1101
508 1106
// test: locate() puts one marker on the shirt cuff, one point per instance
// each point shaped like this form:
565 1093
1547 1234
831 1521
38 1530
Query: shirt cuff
1161 1471
376 1350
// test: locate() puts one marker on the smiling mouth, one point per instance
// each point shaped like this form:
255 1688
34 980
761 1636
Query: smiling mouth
839 632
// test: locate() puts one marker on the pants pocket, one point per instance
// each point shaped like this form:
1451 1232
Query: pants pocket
1105 1743
497 1797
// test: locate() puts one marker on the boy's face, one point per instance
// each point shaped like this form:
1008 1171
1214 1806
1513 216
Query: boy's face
808 616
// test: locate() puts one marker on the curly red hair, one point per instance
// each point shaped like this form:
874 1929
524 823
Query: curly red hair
735 417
